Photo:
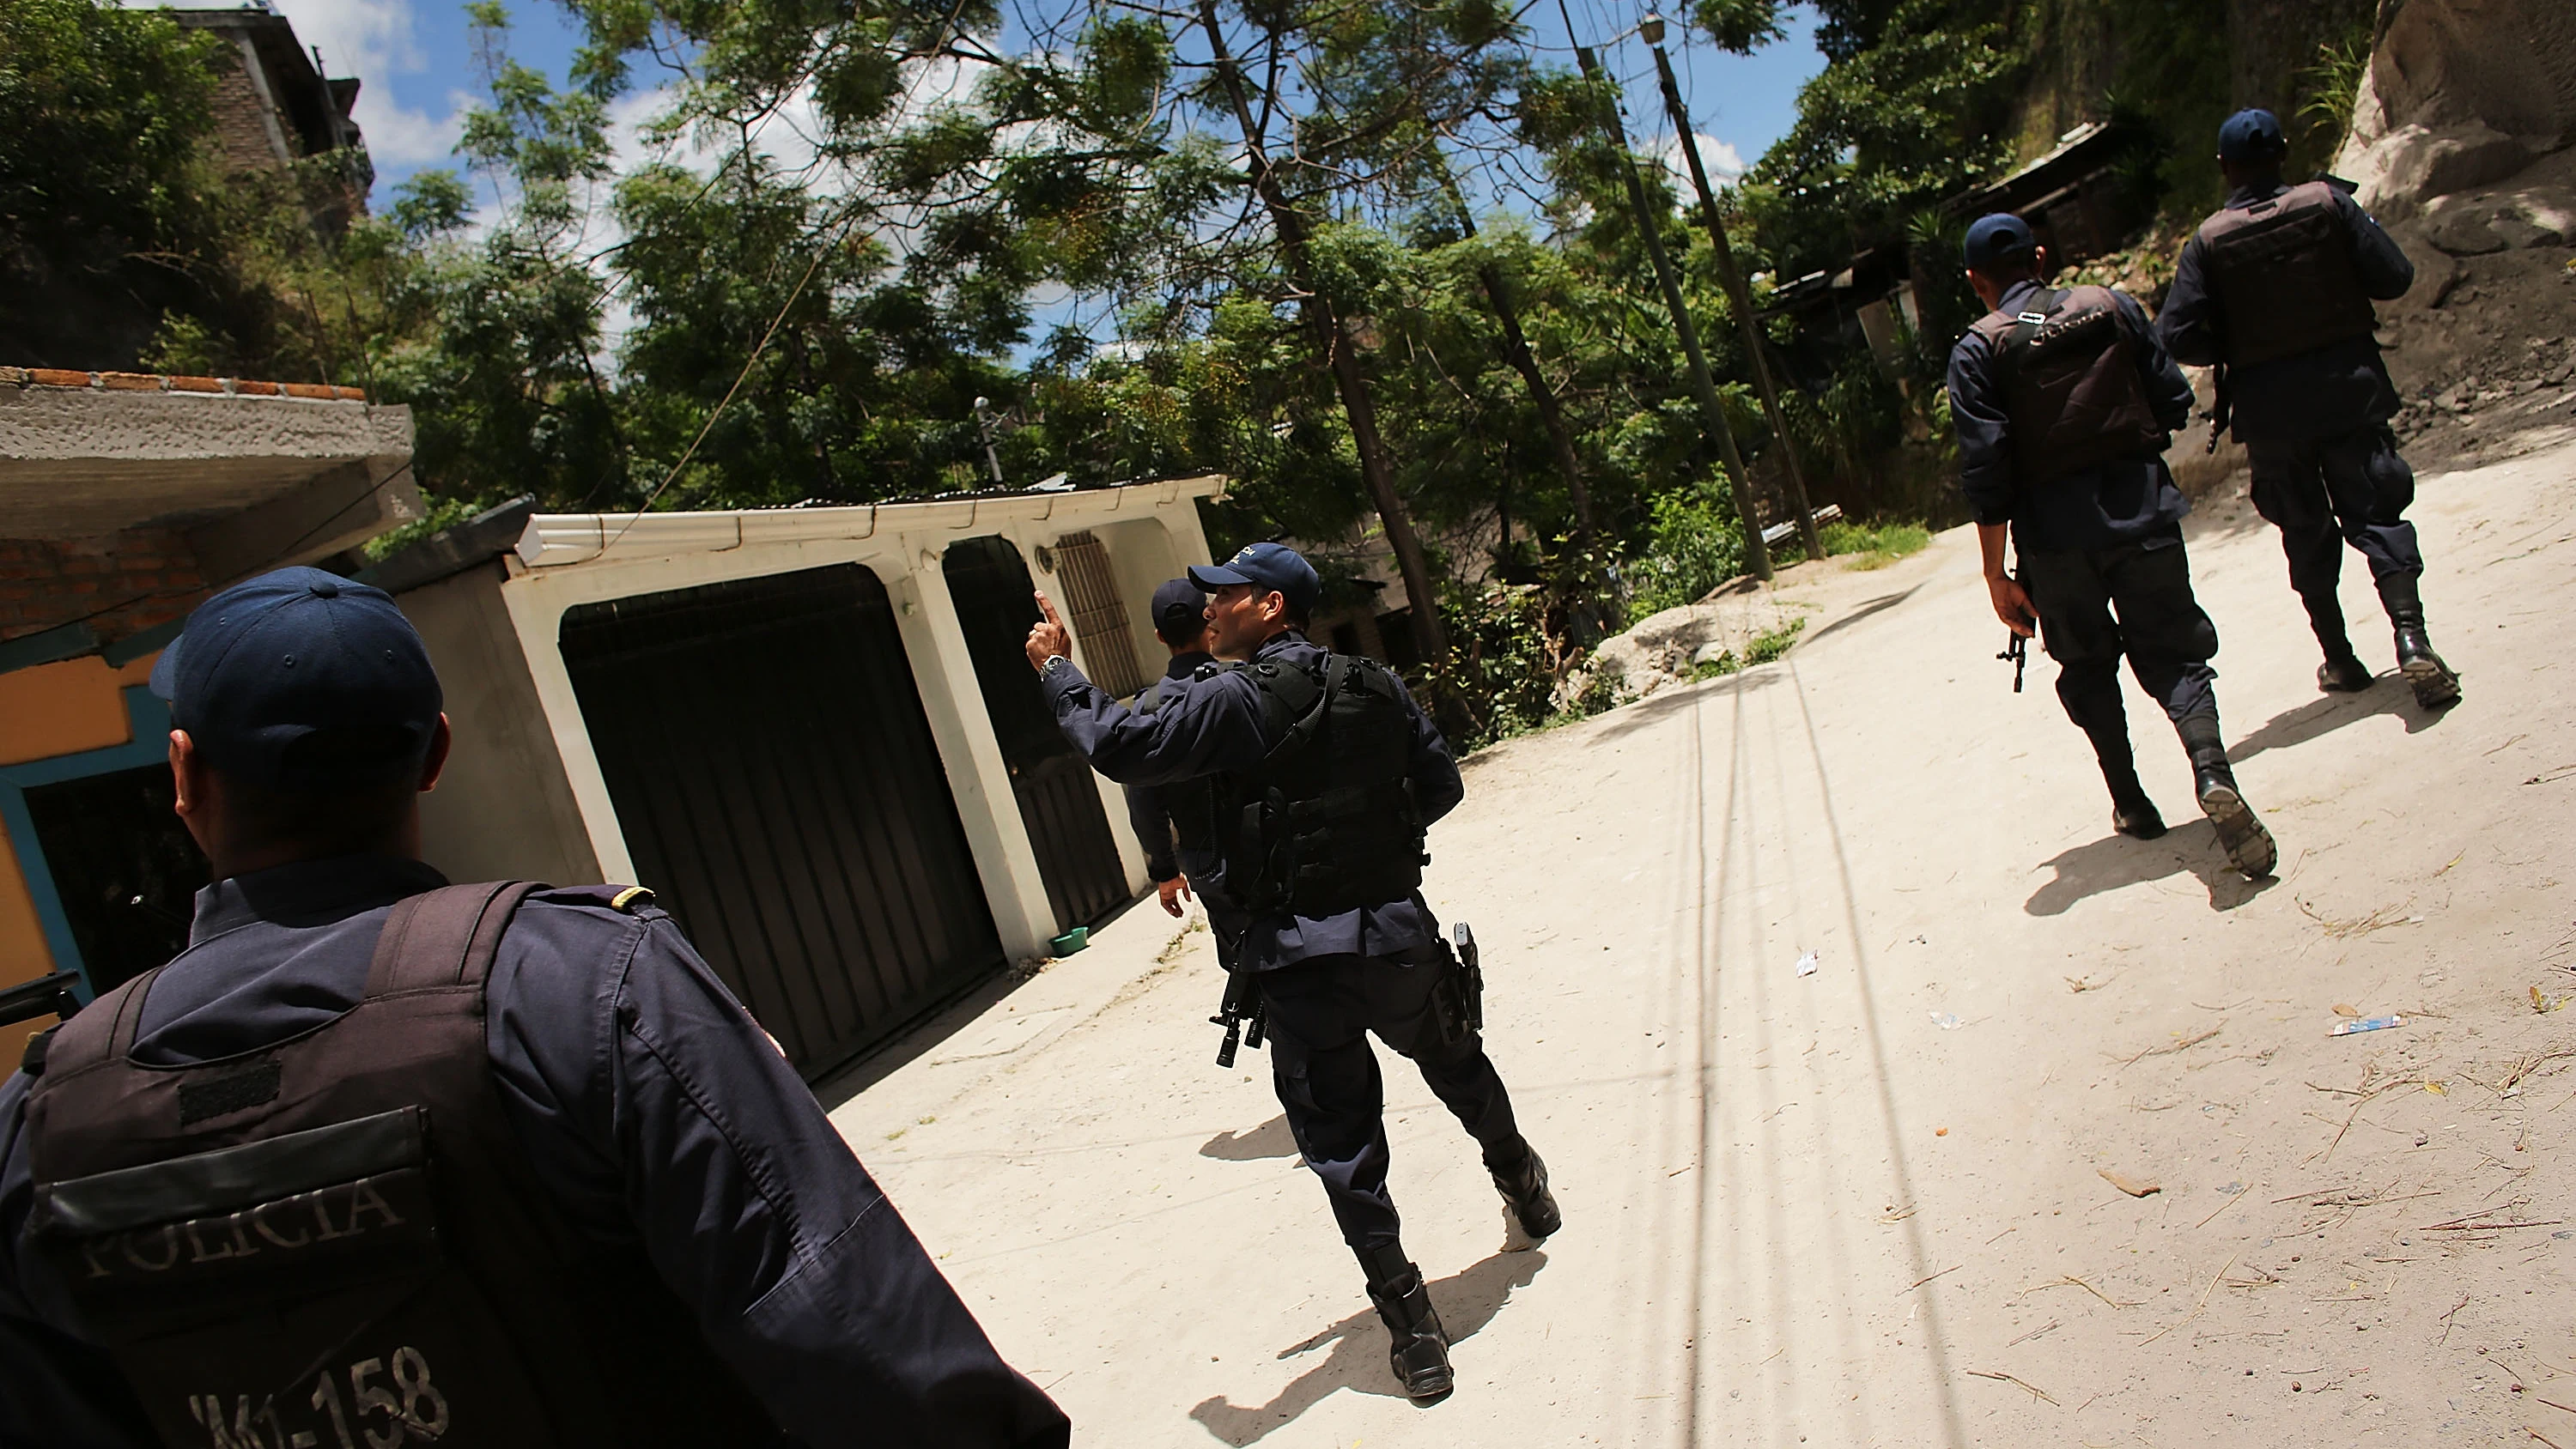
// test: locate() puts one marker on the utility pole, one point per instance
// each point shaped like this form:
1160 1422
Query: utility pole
1757 554
1330 331
1738 296
1516 351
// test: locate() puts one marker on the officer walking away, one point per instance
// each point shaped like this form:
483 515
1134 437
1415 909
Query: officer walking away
1172 820
1323 776
2275 290
2064 403
382 1157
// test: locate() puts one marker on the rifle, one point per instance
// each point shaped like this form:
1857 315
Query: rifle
44 996
2222 407
2016 651
1240 1013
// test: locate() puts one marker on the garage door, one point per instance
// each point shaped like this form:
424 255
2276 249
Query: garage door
1059 799
780 792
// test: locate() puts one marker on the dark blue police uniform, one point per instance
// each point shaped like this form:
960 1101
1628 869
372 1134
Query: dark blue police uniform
655 1113
1326 982
2315 424
2100 539
1150 815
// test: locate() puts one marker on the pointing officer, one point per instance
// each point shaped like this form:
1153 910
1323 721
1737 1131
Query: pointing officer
2276 290
378 1156
2063 402
1323 776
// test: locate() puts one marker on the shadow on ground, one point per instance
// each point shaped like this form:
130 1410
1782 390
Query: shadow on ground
1467 1301
1879 604
2388 694
2115 861
1674 698
931 1028
1270 1139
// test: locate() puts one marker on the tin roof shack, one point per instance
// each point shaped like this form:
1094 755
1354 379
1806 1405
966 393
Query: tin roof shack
2084 199
124 500
811 731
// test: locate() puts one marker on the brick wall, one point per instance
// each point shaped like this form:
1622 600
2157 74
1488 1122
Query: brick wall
141 577
241 122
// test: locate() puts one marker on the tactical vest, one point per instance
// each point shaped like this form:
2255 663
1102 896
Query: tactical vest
1325 822
2283 276
2071 384
338 1241
1191 803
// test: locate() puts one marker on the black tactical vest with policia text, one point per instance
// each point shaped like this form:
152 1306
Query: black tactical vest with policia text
2072 388
1326 822
337 1242
2283 275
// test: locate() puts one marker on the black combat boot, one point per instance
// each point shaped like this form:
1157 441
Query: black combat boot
2248 845
2132 813
1522 1180
2343 672
1418 1348
2436 686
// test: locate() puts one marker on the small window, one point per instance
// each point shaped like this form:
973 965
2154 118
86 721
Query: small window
1099 620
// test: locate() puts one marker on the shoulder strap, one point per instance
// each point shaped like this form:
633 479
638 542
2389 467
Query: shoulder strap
103 1031
444 937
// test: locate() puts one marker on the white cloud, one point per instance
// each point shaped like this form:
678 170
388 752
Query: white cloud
403 138
1724 163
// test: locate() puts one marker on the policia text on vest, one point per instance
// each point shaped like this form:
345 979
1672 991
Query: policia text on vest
380 1160
1323 778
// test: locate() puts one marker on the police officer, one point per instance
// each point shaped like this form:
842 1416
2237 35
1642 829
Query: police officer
1171 820
2063 402
380 1158
2276 290
1323 776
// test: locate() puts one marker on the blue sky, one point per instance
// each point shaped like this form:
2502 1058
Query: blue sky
417 67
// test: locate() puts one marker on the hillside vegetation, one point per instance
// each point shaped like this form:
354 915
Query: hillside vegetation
1375 262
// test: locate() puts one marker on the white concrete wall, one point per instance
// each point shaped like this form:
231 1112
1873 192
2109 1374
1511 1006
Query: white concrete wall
503 809
904 546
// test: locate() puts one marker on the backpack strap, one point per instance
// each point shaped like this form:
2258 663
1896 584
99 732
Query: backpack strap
102 1031
444 937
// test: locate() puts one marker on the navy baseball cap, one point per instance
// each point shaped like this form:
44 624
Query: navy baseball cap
1266 566
2251 136
1179 606
301 680
2000 237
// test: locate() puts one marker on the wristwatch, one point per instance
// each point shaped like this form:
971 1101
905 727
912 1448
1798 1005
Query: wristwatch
1052 661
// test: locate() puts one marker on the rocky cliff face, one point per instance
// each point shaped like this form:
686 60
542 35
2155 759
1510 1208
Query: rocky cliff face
2461 94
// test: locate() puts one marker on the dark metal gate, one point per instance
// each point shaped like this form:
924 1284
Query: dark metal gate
1059 802
780 791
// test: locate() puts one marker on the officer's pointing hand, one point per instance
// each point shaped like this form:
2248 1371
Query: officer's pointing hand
1047 638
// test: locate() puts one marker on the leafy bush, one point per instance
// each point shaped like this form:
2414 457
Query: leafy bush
1696 544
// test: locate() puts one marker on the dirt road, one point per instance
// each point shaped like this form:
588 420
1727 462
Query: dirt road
1893 1201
